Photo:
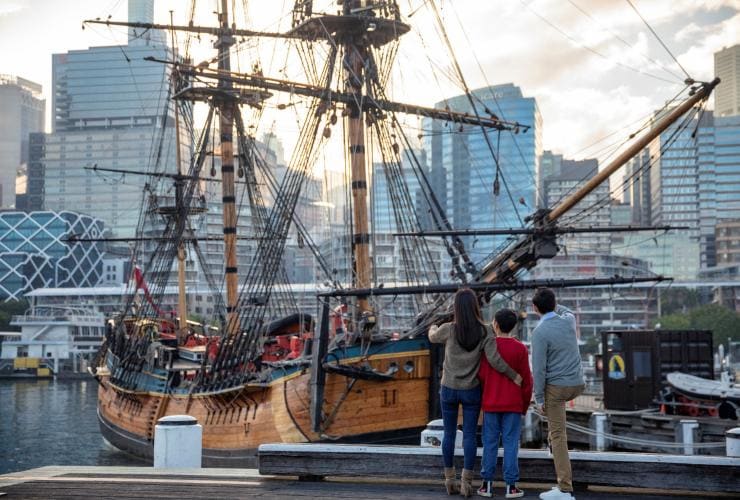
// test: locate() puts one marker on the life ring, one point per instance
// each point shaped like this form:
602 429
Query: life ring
616 367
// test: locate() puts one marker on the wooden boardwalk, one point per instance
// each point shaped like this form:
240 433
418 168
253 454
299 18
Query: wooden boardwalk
146 482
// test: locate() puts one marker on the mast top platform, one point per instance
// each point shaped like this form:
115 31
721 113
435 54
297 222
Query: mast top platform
250 97
377 31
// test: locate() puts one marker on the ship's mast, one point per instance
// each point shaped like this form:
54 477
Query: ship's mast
226 103
226 109
355 56
182 303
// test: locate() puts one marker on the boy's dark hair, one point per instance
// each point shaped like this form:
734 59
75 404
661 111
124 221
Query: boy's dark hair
505 319
544 299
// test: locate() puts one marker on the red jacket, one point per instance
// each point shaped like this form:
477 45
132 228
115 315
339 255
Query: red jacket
500 394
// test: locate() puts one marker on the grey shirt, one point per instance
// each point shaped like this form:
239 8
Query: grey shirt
555 356
460 368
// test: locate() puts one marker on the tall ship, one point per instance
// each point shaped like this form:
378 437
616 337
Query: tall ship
262 370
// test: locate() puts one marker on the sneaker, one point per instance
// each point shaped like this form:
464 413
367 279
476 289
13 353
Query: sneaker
486 489
556 494
513 492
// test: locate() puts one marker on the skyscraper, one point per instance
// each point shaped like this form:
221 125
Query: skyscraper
22 112
727 93
592 210
719 178
111 110
637 188
674 179
550 164
464 167
142 11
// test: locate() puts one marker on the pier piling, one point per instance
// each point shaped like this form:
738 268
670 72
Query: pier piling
686 433
733 442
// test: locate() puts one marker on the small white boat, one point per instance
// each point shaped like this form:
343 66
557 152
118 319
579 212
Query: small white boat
702 388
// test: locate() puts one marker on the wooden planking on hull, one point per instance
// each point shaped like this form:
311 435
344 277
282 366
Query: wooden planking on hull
242 420
368 406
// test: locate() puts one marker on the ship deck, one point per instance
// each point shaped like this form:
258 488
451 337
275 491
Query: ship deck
147 482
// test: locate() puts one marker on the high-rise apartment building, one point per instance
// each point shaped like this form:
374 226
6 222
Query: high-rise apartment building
728 242
21 112
592 211
550 164
463 167
33 199
637 188
727 93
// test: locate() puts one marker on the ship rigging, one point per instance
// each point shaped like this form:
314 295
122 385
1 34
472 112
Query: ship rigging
272 376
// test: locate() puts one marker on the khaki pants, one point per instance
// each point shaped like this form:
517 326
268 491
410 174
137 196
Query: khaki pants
555 398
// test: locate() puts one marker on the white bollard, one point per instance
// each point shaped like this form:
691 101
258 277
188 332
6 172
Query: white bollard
687 435
431 437
178 442
732 443
598 423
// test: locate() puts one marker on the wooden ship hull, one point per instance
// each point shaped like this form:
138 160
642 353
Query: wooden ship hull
236 422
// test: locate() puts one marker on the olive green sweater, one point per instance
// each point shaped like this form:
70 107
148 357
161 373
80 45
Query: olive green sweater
460 368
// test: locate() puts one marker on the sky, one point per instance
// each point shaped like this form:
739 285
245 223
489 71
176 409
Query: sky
593 66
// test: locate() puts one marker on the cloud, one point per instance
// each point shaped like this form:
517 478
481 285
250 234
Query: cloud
9 7
698 58
688 33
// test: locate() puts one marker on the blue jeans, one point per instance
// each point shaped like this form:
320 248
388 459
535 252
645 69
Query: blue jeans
450 400
507 427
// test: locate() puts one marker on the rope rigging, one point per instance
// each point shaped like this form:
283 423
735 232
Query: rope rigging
363 71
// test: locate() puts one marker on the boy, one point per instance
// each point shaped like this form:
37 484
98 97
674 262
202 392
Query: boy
503 403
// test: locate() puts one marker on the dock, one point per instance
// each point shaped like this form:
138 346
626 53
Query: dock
147 482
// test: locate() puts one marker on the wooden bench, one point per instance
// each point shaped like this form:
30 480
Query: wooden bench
639 470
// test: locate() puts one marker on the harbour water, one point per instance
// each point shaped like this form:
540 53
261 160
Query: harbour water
47 422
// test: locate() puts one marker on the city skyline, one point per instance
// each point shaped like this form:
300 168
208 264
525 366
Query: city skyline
593 68
105 91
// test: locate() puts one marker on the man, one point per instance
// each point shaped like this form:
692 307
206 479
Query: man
558 378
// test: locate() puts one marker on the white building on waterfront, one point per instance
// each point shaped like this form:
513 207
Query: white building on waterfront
64 327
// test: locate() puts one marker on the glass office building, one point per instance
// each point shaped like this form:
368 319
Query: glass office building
111 109
38 250
463 168
674 178
719 178
383 218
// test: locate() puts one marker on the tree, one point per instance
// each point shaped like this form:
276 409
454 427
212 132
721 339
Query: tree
8 310
723 322
678 300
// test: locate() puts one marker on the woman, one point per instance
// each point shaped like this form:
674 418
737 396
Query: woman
465 338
